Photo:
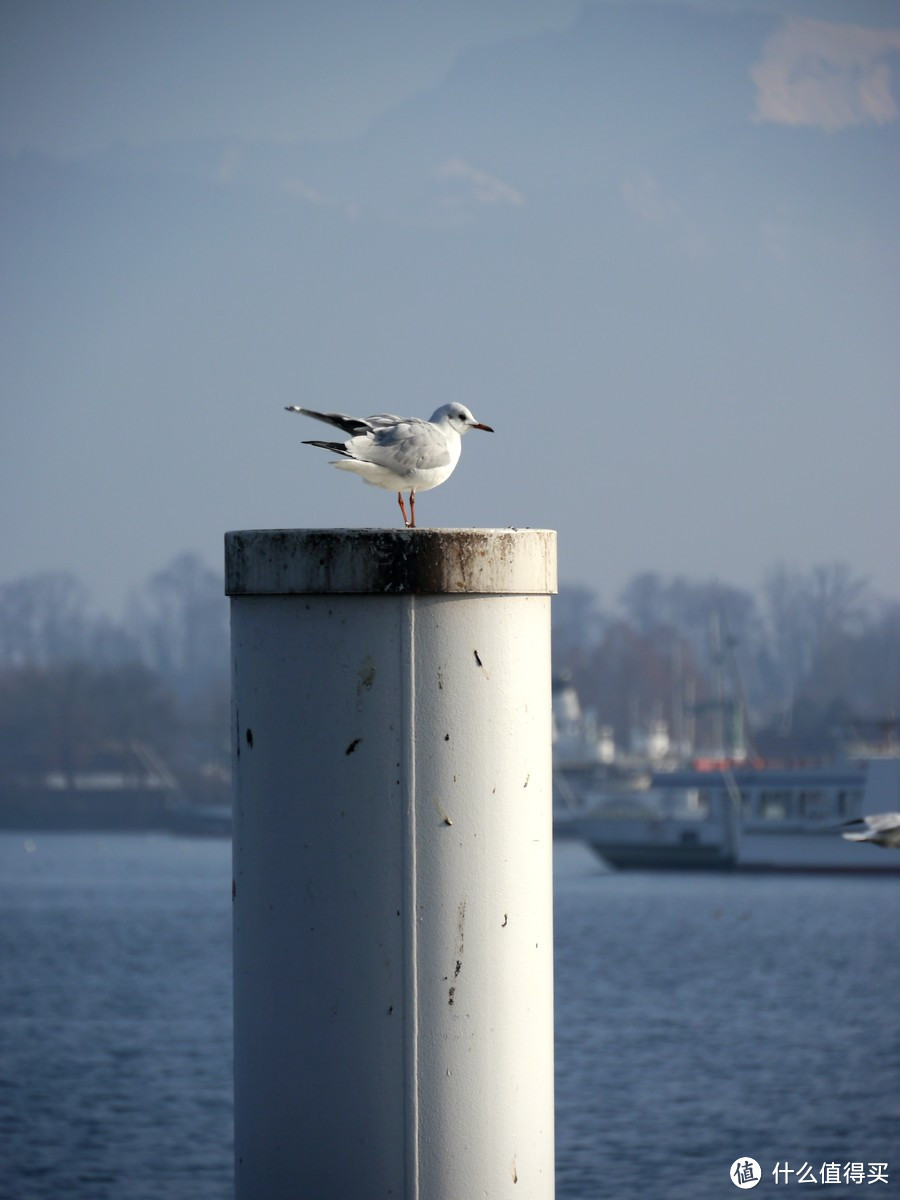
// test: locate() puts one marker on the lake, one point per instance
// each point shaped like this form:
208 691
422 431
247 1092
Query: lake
701 1020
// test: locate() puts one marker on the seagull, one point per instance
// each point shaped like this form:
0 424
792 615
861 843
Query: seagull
401 454
883 829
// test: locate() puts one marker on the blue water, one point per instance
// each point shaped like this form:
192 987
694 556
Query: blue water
700 1019
706 1018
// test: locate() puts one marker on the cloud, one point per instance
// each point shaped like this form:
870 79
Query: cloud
477 187
311 195
643 196
827 76
294 187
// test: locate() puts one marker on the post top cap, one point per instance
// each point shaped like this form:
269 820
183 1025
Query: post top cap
278 562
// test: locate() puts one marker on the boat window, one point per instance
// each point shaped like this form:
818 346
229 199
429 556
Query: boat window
813 805
695 804
852 802
774 806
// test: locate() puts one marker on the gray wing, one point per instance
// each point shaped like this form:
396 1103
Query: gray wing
882 828
384 420
403 445
350 425
878 822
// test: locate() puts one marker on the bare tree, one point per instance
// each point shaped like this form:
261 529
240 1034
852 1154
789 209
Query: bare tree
646 600
43 619
806 611
181 624
578 625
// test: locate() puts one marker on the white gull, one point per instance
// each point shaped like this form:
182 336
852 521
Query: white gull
401 454
881 828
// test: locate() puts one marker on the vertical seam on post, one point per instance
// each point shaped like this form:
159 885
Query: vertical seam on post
410 903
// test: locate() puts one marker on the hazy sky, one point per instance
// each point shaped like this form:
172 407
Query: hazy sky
77 76
654 245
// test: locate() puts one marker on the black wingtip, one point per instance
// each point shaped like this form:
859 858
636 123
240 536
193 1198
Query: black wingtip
334 447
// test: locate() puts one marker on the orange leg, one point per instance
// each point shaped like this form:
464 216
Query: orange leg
403 508
412 508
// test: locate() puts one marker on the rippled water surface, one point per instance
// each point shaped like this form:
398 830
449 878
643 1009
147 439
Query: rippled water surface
706 1018
115 1018
699 1019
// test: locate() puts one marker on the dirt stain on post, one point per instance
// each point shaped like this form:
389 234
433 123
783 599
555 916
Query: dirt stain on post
366 675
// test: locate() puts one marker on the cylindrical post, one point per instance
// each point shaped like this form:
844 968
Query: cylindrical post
393 1006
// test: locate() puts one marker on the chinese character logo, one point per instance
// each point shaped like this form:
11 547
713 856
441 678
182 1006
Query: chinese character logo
745 1172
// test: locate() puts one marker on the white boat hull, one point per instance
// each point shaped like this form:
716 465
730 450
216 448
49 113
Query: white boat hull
748 820
822 850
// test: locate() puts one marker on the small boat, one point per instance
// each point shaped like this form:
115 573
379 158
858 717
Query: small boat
663 828
747 818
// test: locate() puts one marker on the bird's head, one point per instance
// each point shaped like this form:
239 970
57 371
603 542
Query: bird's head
458 417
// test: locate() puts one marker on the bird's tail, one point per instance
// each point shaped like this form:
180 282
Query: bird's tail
351 425
334 447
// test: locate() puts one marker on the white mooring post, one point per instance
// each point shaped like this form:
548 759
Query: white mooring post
393 1003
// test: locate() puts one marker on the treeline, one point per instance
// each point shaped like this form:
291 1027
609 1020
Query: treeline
805 654
74 685
808 655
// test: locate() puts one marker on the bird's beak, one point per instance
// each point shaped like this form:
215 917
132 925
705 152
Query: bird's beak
486 428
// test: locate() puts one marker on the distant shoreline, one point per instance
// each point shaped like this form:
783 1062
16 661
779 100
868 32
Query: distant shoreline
107 810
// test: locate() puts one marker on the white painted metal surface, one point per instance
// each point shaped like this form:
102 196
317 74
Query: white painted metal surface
392 867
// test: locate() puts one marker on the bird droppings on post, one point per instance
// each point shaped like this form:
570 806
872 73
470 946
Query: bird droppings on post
366 676
450 1000
445 820
352 745
386 561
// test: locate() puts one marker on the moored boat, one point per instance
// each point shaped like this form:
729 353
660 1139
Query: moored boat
662 828
747 818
